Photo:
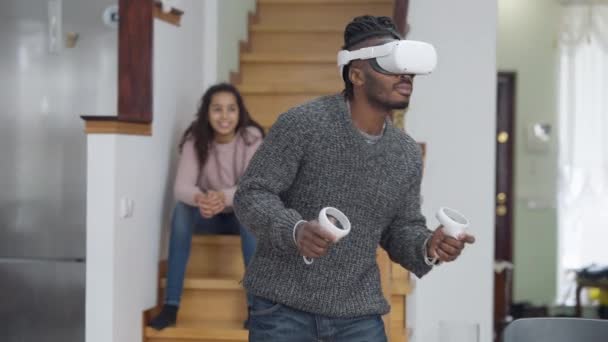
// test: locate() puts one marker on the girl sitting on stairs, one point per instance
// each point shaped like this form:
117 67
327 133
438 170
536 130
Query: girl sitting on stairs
215 151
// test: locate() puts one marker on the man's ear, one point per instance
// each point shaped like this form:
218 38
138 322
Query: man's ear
356 75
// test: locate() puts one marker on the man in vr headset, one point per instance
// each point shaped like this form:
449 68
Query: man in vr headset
340 151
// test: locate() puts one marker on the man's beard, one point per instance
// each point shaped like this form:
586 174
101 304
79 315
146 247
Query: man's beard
377 99
399 105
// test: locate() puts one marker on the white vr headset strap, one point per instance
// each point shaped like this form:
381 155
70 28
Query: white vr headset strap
345 56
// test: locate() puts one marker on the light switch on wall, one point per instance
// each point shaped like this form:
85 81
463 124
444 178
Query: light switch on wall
126 208
538 137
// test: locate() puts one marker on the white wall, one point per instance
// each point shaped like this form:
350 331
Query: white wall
454 112
99 301
123 254
210 41
232 28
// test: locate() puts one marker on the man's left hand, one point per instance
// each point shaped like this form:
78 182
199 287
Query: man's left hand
446 248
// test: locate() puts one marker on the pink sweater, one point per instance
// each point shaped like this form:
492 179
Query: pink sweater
225 164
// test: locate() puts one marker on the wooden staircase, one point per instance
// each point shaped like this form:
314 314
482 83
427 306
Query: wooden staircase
290 58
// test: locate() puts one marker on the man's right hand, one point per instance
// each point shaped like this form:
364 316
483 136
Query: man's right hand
313 241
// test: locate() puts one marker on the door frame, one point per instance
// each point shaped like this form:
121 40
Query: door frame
505 168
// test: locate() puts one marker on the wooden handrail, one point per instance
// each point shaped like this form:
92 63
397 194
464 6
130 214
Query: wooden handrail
400 12
95 124
135 49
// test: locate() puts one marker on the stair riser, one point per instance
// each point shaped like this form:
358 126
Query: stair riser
216 261
266 108
306 74
295 42
327 2
213 305
195 340
308 15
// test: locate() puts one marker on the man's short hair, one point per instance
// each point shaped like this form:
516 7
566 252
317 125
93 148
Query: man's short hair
361 29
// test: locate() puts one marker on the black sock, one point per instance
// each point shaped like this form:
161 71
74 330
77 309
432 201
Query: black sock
165 318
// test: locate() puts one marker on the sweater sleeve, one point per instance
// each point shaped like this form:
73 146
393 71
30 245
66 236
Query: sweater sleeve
405 238
257 202
186 178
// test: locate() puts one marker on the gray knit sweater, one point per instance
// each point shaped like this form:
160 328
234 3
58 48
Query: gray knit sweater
315 157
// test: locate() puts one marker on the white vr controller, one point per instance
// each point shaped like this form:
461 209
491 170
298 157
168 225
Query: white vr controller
338 229
396 57
454 223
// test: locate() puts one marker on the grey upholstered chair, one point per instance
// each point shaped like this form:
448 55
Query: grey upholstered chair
557 330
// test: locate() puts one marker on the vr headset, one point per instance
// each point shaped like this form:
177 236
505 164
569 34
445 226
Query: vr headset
394 58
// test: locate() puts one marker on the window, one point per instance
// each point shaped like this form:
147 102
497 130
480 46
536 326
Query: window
583 143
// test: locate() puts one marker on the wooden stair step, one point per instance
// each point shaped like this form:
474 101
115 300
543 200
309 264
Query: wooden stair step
286 89
212 300
266 108
309 13
306 74
208 284
216 256
281 58
199 332
264 28
290 39
397 287
330 2
216 239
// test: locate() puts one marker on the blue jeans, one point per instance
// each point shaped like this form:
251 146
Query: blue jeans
185 221
272 322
